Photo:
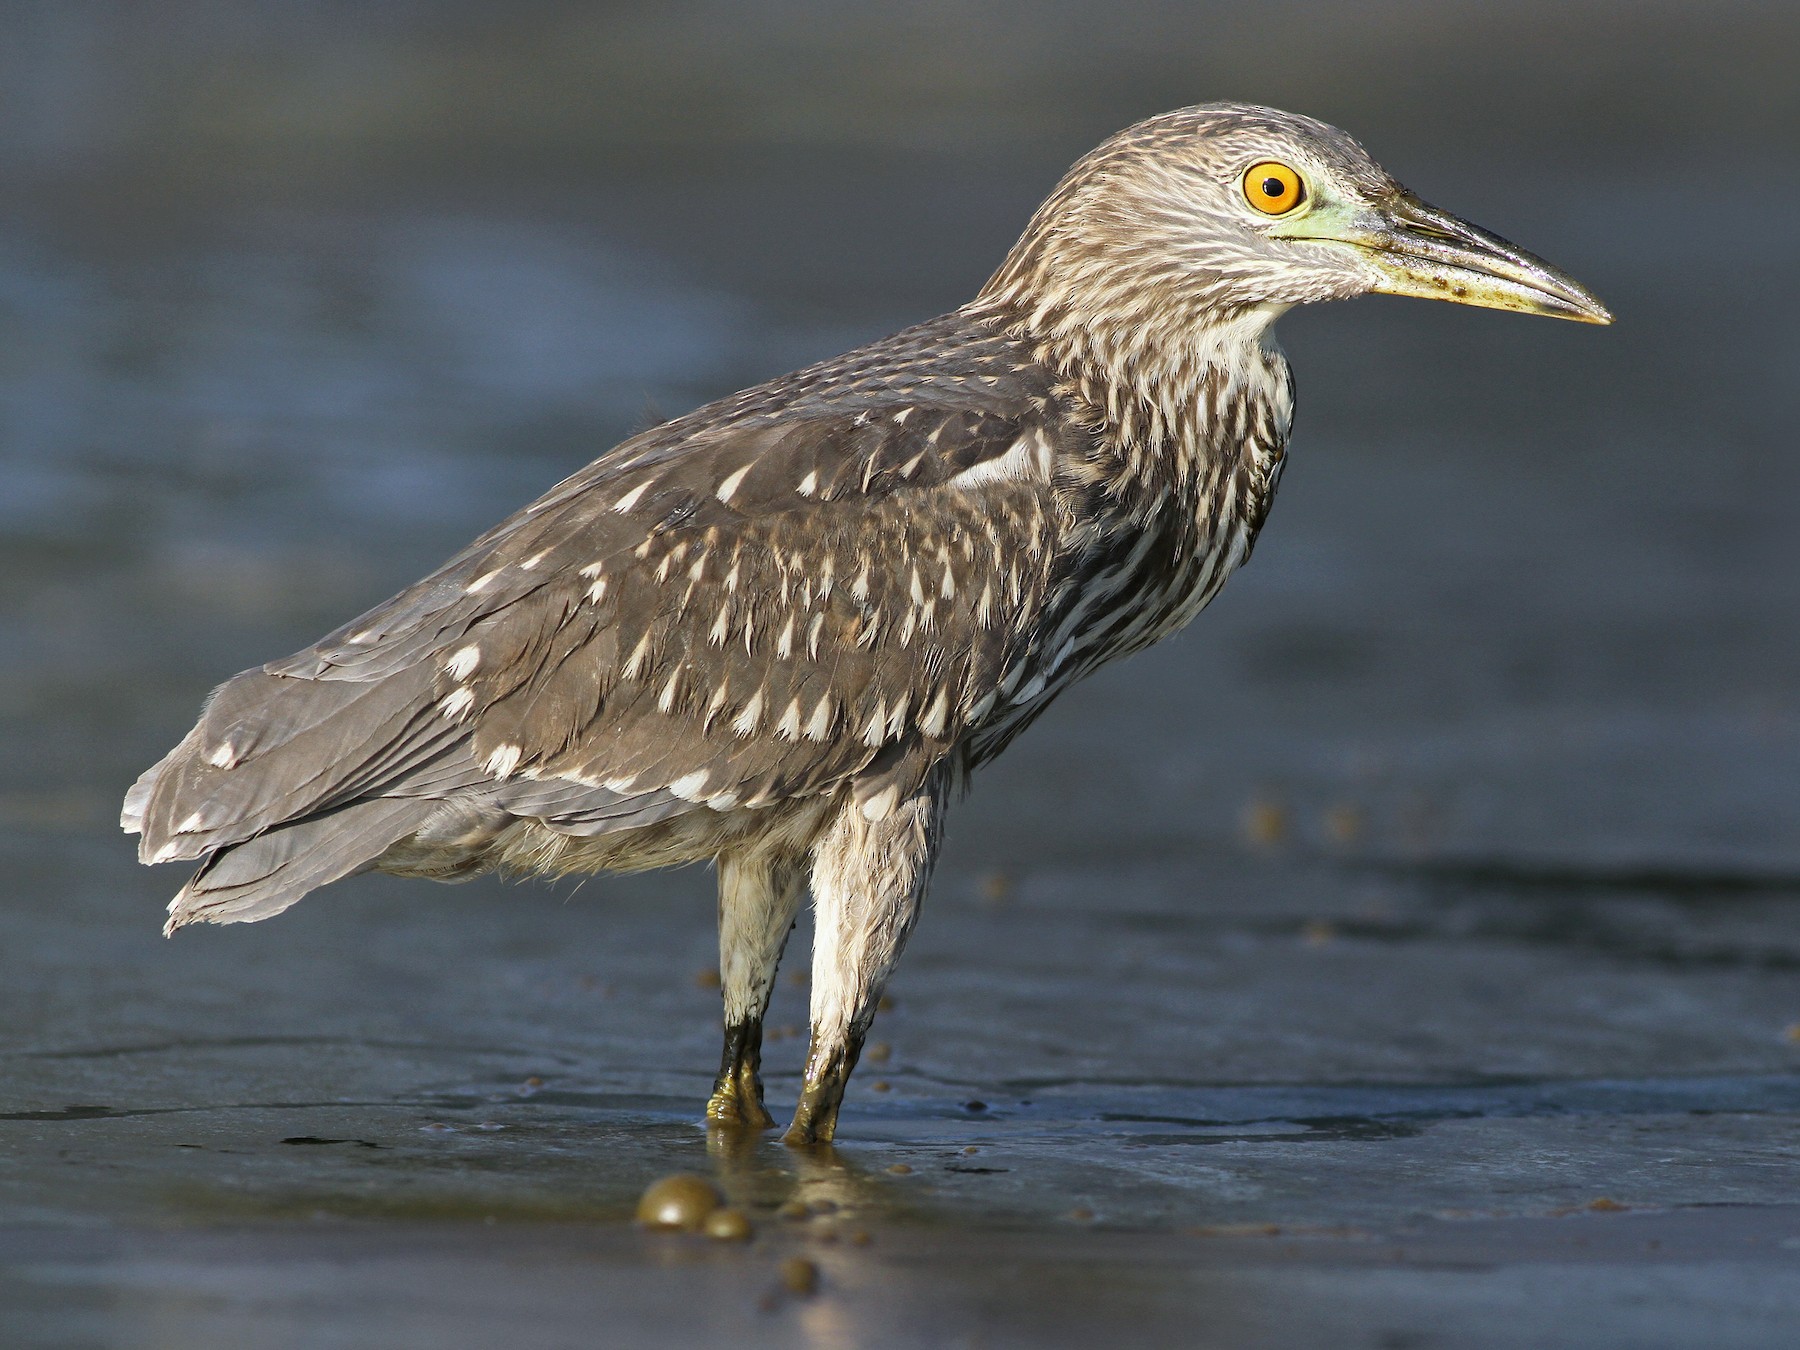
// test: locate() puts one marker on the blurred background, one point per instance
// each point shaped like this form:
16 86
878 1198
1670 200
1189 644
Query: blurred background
1500 724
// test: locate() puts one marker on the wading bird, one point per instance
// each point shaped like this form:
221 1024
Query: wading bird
777 634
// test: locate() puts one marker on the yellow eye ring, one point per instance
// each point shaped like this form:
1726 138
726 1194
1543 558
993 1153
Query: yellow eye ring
1273 188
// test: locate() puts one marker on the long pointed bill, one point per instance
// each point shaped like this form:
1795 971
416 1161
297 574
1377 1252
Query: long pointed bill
1416 249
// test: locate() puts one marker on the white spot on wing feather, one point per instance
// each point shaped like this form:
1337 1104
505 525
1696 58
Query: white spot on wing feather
745 722
932 723
640 655
896 722
878 806
503 760
691 787
788 728
462 662
1027 457
876 730
729 487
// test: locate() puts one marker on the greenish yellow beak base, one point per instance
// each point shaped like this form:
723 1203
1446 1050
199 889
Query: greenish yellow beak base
1416 249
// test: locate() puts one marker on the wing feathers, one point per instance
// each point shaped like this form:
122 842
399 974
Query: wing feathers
815 580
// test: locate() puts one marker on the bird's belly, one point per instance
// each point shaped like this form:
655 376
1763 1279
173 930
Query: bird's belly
529 846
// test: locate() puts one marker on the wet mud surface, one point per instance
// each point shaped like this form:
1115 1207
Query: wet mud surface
1405 956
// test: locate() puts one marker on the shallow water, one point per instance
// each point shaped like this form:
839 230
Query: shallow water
1404 956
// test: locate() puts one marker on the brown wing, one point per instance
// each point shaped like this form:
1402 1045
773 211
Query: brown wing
729 653
824 579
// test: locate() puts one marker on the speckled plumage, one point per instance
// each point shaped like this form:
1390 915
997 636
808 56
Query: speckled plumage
776 632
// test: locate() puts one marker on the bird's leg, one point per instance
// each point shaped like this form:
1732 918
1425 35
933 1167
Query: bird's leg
758 897
867 881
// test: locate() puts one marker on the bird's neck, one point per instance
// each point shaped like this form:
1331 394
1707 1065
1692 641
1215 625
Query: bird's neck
1167 393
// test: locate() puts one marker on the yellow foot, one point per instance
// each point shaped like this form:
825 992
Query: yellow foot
729 1106
815 1119
808 1136
737 1097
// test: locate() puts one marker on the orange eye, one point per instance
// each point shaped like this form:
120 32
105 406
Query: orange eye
1273 188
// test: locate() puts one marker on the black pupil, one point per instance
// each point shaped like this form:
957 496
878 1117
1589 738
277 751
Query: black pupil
1273 187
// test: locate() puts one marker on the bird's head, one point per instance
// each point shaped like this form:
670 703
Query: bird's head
1189 220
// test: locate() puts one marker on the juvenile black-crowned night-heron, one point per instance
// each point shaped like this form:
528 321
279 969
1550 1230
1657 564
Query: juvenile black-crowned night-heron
777 633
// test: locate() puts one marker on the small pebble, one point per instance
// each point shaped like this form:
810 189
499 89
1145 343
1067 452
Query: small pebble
884 1004
971 1149
881 1085
859 1237
437 1127
707 979
728 1225
996 887
881 1051
1344 823
974 1106
793 1209
899 1169
1081 1214
1265 822
799 1276
824 1207
1605 1205
797 979
681 1201
1318 932
1793 1032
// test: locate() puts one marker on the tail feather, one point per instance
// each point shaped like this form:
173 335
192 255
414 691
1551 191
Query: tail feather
270 749
263 876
